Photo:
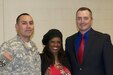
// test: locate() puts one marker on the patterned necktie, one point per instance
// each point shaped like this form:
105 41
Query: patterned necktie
81 50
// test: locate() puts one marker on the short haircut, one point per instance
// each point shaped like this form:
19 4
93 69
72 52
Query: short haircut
17 19
83 9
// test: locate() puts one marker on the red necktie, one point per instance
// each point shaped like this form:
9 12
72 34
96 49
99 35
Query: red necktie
81 50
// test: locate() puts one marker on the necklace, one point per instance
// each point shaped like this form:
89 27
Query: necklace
58 66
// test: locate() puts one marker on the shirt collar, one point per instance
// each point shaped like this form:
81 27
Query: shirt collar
85 35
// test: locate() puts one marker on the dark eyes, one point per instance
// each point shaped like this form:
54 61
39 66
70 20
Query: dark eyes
84 18
31 23
59 42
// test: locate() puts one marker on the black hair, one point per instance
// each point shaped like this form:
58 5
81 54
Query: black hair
17 19
47 52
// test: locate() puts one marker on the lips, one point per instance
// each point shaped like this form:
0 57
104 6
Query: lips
28 30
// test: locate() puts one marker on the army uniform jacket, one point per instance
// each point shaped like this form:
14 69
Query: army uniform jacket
16 58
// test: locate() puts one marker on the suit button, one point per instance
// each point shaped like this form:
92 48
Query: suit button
80 69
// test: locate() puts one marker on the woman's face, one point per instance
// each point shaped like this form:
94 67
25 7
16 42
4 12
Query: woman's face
55 45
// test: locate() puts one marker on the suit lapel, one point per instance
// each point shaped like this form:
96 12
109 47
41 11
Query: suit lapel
73 47
88 45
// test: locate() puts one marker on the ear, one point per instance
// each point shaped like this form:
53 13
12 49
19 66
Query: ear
16 27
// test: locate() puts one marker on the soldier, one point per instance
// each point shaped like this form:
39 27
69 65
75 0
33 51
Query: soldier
19 55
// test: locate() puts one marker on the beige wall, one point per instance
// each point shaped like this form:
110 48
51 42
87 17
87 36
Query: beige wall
49 14
1 22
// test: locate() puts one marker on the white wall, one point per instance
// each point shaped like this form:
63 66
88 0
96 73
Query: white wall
1 22
49 14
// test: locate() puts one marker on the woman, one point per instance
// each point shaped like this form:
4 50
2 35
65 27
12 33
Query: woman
54 61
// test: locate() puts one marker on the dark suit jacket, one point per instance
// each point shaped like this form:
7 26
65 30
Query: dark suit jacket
98 55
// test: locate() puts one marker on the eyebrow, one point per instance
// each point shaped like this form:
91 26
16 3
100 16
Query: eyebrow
28 21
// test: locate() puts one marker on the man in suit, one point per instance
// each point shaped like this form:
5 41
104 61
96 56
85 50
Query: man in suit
92 56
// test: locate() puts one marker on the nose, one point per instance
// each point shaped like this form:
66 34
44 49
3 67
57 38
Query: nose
55 44
82 20
28 25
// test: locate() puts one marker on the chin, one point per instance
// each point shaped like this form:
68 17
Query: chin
55 51
84 29
28 36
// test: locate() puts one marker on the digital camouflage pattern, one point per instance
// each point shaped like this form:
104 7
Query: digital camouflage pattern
18 59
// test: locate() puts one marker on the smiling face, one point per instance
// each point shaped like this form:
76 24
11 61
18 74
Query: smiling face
55 45
25 26
83 20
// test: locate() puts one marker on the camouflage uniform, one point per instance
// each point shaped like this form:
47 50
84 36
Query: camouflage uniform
16 58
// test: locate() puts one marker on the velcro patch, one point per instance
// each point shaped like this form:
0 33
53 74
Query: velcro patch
7 55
